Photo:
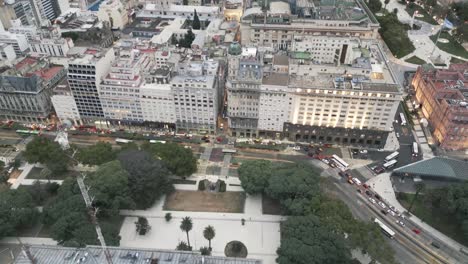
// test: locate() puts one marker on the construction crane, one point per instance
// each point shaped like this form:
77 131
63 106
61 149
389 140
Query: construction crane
92 211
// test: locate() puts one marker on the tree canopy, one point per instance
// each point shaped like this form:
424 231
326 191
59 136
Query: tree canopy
179 160
196 21
97 154
374 5
47 152
254 175
148 178
17 210
305 240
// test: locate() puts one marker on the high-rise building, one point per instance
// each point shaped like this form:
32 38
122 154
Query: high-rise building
18 41
443 96
85 73
26 88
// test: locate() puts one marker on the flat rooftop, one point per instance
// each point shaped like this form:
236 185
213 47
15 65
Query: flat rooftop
120 255
276 79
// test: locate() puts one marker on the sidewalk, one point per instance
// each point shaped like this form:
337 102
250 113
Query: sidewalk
382 185
26 169
29 240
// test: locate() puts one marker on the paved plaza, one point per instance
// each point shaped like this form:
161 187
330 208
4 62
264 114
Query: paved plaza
260 234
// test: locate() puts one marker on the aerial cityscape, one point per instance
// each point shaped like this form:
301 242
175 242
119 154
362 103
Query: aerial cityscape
233 131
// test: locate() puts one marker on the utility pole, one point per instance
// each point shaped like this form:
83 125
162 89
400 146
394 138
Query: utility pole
92 211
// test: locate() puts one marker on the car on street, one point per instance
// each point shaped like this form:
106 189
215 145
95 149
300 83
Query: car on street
350 181
398 135
379 170
365 185
391 212
363 151
377 196
383 212
380 150
372 200
416 231
382 205
296 148
359 191
368 193
400 223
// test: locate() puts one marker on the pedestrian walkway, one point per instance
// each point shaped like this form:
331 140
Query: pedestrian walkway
204 160
32 181
28 240
383 185
26 170
225 168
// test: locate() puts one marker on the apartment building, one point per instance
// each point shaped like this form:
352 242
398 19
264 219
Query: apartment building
119 90
18 41
279 26
85 73
245 74
443 96
7 52
26 88
64 104
197 96
56 47
114 12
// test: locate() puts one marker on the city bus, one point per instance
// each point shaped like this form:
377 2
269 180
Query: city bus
394 155
387 231
122 141
152 141
341 163
28 132
415 149
232 151
403 119
390 164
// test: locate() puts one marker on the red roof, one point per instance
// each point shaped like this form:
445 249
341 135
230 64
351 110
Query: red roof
49 73
25 61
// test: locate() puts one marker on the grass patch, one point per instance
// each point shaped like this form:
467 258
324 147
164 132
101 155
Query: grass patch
456 60
410 9
416 60
35 174
271 206
446 224
452 47
194 201
183 181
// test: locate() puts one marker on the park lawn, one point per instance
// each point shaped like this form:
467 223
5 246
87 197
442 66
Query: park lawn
395 35
416 60
453 47
35 174
197 201
456 60
427 17
432 216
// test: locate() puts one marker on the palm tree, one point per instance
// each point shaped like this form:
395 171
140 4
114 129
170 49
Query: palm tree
209 233
186 225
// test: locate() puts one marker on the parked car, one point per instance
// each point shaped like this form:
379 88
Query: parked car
377 197
416 231
400 223
383 212
382 205
368 193
359 191
372 200
391 212
435 244
365 185
363 151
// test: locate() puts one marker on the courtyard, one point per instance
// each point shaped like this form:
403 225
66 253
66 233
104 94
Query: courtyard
195 201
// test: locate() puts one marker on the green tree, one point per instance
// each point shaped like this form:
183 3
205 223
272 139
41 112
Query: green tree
461 33
305 240
97 154
461 10
420 186
209 233
174 40
142 225
254 175
179 160
204 251
374 5
47 152
17 210
186 225
196 21
186 42
183 246
296 187
148 178
395 11
185 2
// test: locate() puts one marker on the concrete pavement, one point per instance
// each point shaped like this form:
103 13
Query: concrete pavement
26 170
29 240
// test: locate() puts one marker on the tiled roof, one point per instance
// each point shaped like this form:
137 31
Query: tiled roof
451 169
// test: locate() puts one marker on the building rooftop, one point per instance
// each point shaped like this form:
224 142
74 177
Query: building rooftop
451 169
120 255
281 60
276 79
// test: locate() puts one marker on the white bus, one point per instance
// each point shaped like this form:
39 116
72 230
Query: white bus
394 155
340 162
403 119
387 231
152 141
122 141
415 149
390 164
232 151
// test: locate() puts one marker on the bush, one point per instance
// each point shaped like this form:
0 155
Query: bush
222 186
168 217
201 185
52 188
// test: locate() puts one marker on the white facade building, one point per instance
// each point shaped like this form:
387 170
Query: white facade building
114 12
174 11
157 103
64 104
18 41
57 47
275 102
29 31
7 52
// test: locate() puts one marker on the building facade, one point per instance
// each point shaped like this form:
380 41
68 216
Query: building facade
64 104
114 12
18 41
443 96
26 88
84 78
